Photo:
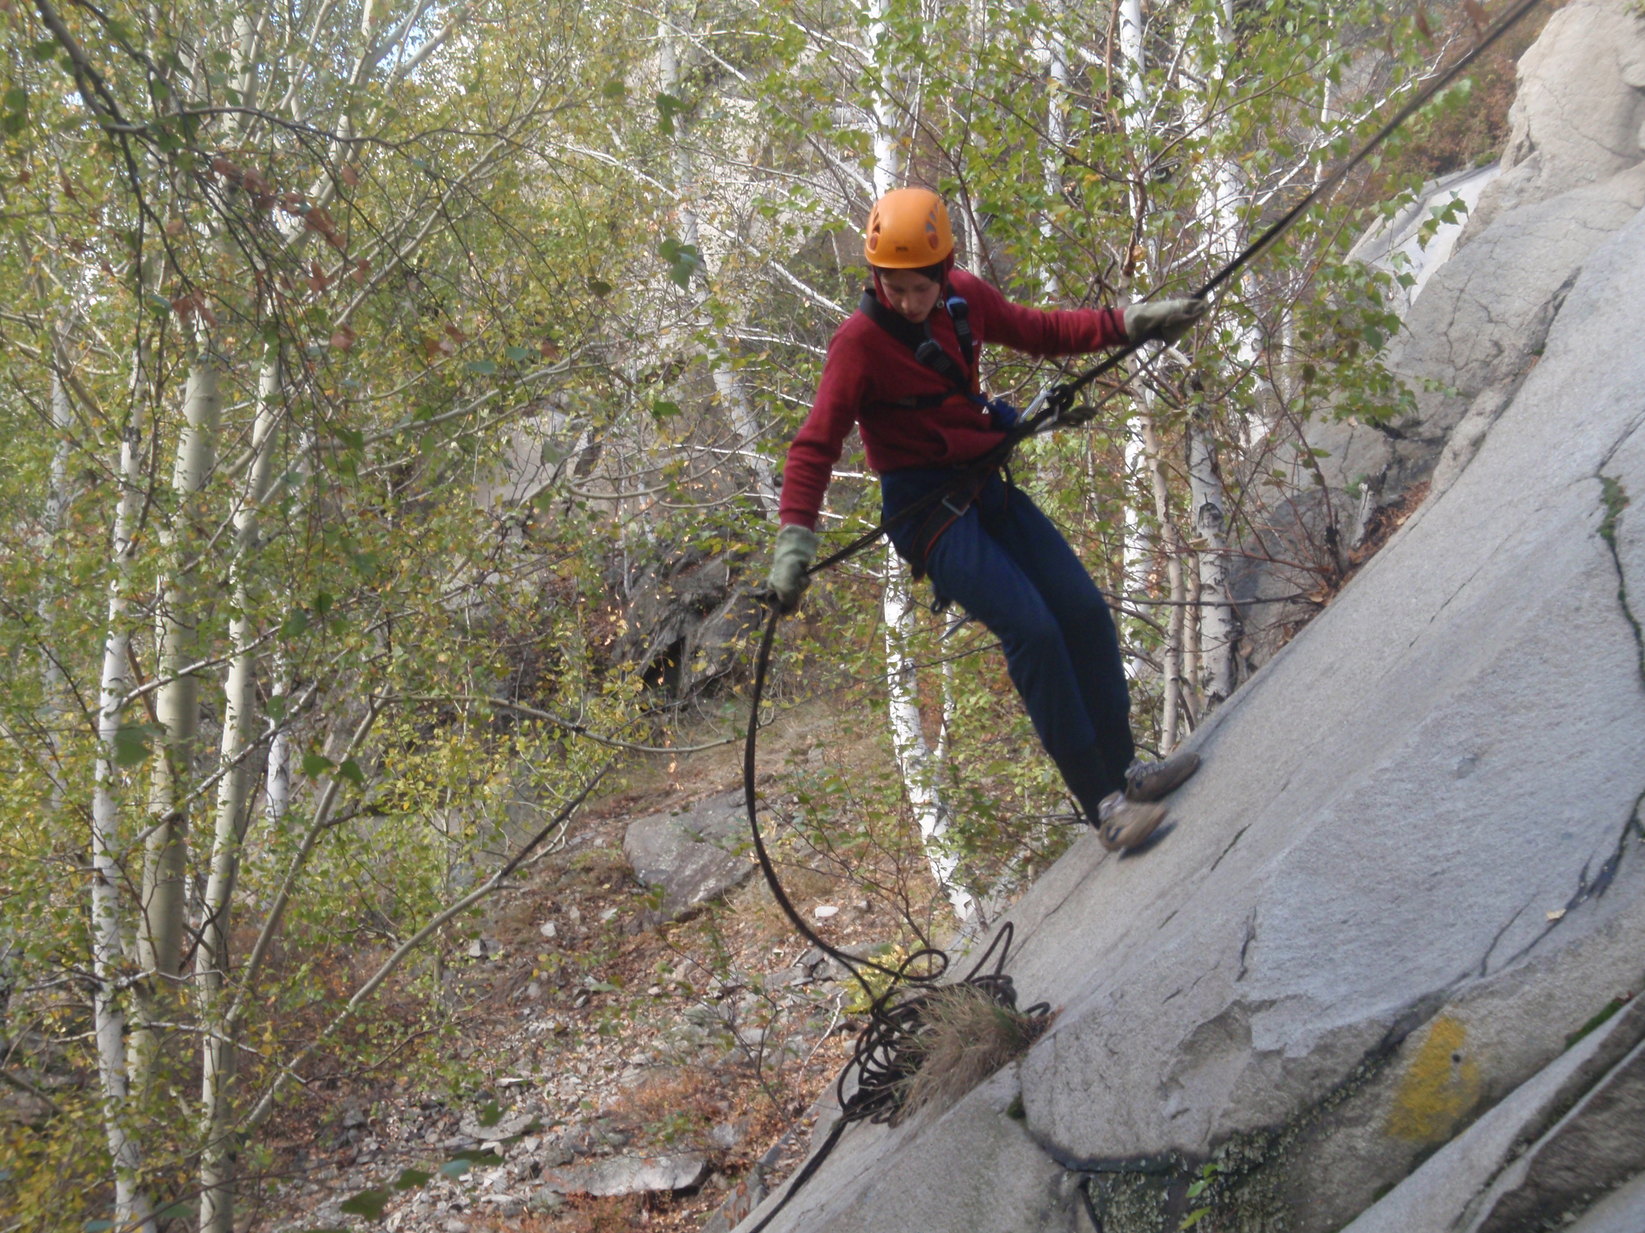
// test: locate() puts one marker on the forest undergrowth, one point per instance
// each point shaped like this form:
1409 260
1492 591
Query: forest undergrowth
709 1035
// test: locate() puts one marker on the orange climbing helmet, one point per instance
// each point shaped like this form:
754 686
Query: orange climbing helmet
908 230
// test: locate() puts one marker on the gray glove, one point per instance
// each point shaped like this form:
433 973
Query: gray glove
796 548
1162 320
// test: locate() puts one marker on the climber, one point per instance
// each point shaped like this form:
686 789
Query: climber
903 369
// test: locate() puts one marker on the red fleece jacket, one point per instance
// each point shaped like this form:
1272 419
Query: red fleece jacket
866 369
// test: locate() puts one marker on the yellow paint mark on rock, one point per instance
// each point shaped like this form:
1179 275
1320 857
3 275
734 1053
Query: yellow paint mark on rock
1440 1086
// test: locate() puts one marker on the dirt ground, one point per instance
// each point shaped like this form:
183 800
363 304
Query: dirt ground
576 1033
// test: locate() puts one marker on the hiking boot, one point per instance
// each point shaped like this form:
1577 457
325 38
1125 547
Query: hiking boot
1123 823
1153 781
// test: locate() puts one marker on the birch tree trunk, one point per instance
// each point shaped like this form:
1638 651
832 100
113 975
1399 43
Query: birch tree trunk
177 700
131 1204
733 395
1171 653
918 760
57 502
216 1173
1138 543
1220 626
1223 190
1056 125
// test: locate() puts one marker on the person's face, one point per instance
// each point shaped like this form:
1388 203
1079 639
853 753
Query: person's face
911 293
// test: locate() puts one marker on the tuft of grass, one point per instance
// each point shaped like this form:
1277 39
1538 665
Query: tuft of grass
965 1036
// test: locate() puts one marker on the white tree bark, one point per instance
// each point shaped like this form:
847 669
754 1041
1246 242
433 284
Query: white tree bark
1171 651
177 700
918 760
57 501
1220 625
228 833
1222 191
1137 544
131 1204
733 394
1056 125
277 776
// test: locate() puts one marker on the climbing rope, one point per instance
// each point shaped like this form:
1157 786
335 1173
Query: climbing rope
872 1086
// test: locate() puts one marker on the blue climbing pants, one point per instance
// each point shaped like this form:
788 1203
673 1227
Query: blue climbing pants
1006 564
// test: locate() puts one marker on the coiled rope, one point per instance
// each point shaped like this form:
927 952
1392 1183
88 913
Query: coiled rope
872 1087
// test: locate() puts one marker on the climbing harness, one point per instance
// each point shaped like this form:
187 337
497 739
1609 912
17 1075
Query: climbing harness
956 497
885 1052
929 352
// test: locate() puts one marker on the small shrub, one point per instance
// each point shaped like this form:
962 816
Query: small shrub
965 1036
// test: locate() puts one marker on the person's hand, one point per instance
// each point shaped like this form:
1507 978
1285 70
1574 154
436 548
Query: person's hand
795 549
1162 320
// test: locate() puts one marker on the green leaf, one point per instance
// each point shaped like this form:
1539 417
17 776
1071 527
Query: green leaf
668 106
662 409
683 260
491 1114
350 770
131 743
98 1226
614 89
517 354
483 368
368 1203
316 764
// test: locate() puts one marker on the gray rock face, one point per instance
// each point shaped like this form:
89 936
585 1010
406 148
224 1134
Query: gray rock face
692 857
1574 174
688 619
1502 1175
630 1175
1578 115
1411 872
